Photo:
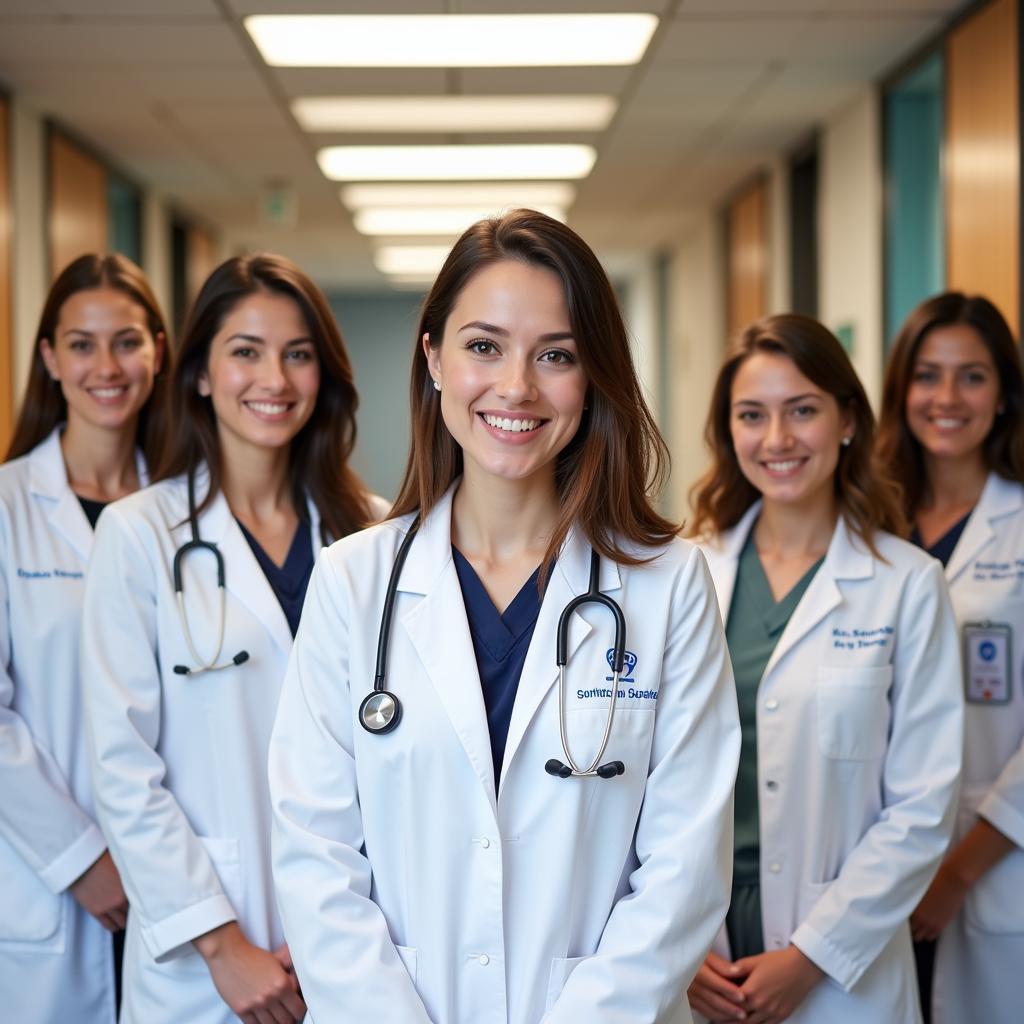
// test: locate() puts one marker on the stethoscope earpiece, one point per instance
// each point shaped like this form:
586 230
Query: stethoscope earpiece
556 767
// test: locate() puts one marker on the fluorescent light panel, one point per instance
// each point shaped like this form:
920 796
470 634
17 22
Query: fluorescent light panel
437 220
453 113
411 260
507 194
459 163
451 40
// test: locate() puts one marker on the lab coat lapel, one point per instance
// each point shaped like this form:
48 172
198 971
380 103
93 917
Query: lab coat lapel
569 577
243 576
998 498
723 556
846 559
438 629
49 481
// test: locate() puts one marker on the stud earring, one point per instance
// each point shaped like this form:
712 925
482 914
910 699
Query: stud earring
437 387
846 441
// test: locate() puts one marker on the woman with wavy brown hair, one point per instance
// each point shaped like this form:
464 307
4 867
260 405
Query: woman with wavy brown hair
952 427
509 847
88 427
192 600
844 654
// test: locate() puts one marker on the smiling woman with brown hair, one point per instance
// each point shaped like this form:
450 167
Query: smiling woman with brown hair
192 599
89 424
476 834
952 427
845 659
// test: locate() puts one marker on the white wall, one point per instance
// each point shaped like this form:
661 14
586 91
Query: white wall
850 233
696 336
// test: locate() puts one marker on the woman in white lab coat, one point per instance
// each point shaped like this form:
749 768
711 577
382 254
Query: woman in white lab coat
847 672
88 423
451 869
952 427
180 697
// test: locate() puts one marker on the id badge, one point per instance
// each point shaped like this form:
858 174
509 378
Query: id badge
988 660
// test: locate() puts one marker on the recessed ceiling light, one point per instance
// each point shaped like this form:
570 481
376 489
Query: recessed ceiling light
506 194
453 113
419 260
456 163
437 220
451 40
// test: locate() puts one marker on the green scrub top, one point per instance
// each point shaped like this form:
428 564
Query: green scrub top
755 624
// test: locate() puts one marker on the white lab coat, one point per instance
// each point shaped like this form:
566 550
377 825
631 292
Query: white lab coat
56 960
409 892
981 954
859 736
179 762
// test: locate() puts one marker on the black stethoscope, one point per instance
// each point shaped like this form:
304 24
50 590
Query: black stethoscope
381 711
179 593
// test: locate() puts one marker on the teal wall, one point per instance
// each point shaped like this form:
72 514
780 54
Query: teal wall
378 329
914 222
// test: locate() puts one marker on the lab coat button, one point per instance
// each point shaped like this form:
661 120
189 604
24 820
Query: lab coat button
775 867
484 959
485 843
771 704
771 785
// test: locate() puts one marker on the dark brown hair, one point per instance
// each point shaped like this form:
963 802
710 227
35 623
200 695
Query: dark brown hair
319 453
44 405
868 499
606 475
1003 449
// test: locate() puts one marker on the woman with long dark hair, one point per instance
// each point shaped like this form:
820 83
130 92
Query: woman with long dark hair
192 599
952 429
844 653
88 427
468 837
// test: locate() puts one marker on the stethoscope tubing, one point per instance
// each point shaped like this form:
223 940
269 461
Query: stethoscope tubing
380 710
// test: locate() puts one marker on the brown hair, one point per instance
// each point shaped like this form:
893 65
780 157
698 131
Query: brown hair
44 405
319 453
868 499
606 475
1003 449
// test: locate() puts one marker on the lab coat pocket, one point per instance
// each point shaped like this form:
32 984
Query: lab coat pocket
30 915
224 853
810 894
408 955
561 968
853 711
993 903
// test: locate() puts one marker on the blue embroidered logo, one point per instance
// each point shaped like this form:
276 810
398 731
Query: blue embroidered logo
628 665
987 650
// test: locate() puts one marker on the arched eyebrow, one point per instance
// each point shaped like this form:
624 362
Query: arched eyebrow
482 325
255 339
787 401
91 334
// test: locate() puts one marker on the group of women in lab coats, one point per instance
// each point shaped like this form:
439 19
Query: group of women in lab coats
786 736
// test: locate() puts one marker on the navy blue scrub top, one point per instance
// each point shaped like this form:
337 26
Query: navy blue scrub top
944 547
500 642
92 509
288 581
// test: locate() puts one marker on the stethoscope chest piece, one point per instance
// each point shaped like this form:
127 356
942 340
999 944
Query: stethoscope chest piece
380 712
